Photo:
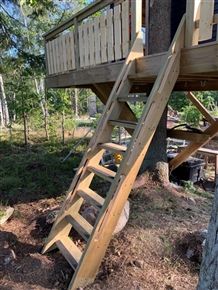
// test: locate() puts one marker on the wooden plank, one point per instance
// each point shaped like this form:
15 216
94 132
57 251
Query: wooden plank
193 147
91 43
125 28
76 44
55 55
48 58
110 35
64 53
68 52
97 38
209 152
82 14
91 197
86 43
136 18
103 30
117 32
201 107
80 225
186 135
72 50
192 15
70 251
102 172
81 46
206 20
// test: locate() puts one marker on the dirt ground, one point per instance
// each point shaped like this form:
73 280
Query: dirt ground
150 253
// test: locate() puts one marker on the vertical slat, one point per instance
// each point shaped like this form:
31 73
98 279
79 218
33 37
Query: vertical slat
48 61
206 20
97 41
110 35
117 32
91 43
68 51
192 15
72 51
86 43
57 54
81 46
103 39
54 55
64 52
76 44
51 56
136 18
125 28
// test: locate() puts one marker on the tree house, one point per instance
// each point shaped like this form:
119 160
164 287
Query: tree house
104 47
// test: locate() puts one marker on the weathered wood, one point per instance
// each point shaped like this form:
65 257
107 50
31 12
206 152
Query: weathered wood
97 41
125 28
81 46
186 135
206 20
117 30
86 43
110 35
91 43
103 30
136 18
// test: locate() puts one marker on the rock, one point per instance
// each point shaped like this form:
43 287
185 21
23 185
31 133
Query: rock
139 264
204 233
90 214
51 216
10 257
5 214
124 217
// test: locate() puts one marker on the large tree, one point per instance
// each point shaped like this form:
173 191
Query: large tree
209 269
162 27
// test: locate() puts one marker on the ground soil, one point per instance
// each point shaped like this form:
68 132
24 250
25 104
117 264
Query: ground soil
150 253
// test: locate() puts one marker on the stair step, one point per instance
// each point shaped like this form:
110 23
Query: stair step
123 123
80 225
103 172
91 197
70 251
117 148
132 99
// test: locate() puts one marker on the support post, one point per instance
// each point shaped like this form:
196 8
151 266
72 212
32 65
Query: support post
192 15
136 18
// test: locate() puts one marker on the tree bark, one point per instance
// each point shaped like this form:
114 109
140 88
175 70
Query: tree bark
4 102
208 279
159 39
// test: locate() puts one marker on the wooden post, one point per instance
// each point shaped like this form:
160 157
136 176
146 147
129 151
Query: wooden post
136 18
192 15
76 44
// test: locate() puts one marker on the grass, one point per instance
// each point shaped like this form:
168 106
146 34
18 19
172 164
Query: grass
36 171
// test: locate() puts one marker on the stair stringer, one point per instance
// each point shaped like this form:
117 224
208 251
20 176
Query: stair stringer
121 187
61 227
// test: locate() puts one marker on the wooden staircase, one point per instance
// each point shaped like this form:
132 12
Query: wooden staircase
97 237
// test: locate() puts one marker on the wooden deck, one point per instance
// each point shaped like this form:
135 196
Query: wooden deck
199 71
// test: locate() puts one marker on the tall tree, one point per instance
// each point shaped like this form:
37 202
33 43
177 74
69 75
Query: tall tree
209 268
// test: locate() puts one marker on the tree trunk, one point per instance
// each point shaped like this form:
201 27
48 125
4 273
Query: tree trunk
2 123
25 128
209 268
5 112
76 103
63 126
159 39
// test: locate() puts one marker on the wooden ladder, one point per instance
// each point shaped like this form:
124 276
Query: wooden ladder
97 237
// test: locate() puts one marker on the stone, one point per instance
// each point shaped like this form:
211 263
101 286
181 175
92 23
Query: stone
124 217
6 213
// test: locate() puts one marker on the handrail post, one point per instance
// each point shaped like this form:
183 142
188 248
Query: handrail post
192 15
76 43
136 18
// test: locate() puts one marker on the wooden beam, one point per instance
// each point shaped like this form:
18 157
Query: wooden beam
103 92
206 20
136 18
193 147
200 61
200 107
187 135
192 15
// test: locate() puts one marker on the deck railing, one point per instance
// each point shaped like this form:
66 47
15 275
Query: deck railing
91 38
200 21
